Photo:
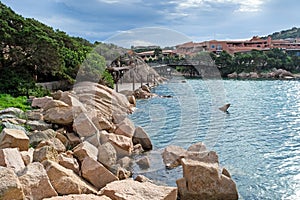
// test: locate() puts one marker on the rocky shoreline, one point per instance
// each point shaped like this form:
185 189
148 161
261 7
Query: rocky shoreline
274 74
80 144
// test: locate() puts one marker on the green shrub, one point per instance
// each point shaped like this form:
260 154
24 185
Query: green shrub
7 101
107 79
1 127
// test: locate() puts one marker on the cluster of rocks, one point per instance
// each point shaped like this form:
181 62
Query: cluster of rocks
142 72
143 92
75 145
203 178
274 74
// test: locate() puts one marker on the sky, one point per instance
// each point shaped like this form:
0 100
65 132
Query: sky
162 22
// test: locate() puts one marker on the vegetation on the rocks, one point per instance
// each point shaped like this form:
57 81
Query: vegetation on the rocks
256 61
1 127
7 101
33 52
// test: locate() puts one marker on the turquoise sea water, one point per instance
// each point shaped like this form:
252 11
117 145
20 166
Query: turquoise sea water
258 141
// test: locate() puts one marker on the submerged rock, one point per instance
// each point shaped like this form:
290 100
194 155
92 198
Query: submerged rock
172 156
141 137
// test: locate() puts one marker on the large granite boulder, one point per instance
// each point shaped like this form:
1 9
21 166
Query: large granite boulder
84 126
73 139
65 181
11 158
141 137
126 128
41 101
104 99
35 115
7 124
122 144
205 181
107 154
104 124
204 156
38 125
10 186
53 142
54 104
67 160
13 138
59 115
84 150
96 173
35 137
15 112
79 197
45 153
35 182
134 190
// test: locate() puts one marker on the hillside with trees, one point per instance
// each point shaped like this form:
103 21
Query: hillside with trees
285 34
34 52
256 61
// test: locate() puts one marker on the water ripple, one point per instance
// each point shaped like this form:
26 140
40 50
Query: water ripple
258 141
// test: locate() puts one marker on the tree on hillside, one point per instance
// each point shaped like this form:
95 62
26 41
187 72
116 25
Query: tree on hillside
277 58
91 68
224 62
285 34
31 51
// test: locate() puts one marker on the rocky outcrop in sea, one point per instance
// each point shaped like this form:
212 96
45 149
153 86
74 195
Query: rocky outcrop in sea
274 74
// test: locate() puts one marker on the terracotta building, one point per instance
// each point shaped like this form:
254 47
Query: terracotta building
232 47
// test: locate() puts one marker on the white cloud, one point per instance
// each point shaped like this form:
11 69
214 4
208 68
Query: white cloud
120 1
141 43
242 5
109 1
148 36
191 4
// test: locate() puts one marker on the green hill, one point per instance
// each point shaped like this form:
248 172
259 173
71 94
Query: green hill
285 34
32 52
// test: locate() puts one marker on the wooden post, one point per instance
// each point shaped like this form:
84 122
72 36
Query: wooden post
147 79
117 87
133 82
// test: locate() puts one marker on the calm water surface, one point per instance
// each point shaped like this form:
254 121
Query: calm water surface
258 141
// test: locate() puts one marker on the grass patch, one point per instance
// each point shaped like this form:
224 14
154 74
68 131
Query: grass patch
7 101
1 127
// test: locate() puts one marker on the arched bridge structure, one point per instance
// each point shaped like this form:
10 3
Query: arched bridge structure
198 68
188 68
